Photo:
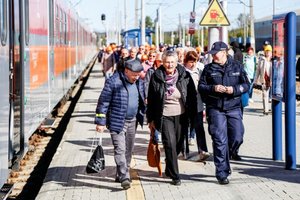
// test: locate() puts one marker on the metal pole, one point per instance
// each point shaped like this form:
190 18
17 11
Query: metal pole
202 37
119 27
252 33
224 28
244 25
160 28
143 23
180 30
273 8
213 36
277 129
136 23
156 34
290 90
198 32
106 33
191 35
125 15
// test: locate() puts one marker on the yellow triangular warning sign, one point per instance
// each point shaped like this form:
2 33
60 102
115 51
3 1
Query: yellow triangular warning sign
214 15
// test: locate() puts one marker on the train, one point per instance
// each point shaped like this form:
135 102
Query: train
44 48
271 29
265 27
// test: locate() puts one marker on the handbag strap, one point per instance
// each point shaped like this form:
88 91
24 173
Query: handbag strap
100 139
94 142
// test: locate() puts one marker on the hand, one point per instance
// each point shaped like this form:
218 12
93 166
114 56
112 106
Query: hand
220 88
151 126
229 90
100 128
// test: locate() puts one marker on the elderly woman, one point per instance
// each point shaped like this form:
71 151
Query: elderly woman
171 103
263 75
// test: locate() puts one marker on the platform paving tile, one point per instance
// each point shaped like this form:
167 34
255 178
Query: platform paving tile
256 177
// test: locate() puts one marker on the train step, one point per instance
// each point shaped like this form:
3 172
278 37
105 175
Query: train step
5 191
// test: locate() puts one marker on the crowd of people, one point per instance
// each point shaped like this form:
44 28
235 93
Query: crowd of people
175 90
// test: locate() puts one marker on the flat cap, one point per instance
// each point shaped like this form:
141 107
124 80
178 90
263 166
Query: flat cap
134 65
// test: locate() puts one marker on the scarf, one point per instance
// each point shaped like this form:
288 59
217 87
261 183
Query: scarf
171 81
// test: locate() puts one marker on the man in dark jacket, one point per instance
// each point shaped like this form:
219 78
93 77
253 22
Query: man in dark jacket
238 55
221 85
120 105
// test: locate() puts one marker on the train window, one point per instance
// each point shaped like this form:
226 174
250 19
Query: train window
3 21
65 28
275 34
61 26
26 22
51 22
57 33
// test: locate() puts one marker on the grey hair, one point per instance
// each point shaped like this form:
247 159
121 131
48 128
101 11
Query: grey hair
169 54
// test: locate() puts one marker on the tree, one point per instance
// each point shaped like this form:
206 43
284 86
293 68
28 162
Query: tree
149 22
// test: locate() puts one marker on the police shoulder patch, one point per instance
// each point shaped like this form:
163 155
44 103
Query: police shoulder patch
241 88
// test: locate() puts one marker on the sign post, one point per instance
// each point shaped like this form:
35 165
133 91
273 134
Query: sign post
214 18
192 23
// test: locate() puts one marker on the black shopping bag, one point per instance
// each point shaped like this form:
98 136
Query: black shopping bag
97 161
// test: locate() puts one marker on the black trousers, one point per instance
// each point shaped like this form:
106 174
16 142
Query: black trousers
200 132
173 130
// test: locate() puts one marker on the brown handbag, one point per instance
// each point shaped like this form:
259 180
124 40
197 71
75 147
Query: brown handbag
153 154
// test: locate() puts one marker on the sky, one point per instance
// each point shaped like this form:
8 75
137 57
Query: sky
91 11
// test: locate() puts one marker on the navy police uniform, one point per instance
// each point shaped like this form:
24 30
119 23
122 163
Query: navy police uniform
224 110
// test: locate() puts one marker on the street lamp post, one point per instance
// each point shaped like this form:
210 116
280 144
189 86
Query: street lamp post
103 18
273 8
252 35
143 35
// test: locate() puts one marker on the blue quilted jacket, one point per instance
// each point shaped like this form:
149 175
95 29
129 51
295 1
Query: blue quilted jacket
113 102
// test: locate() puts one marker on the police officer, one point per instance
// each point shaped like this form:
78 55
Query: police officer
221 84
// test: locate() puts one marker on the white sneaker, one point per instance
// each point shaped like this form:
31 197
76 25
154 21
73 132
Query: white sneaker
192 141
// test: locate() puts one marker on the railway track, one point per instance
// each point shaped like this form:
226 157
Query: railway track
28 175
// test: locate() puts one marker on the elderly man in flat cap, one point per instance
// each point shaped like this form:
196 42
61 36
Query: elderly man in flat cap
120 107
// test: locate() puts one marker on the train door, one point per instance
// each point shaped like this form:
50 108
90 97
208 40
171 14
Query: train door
4 91
278 57
19 38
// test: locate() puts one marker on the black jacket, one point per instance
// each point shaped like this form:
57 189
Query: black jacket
231 74
156 95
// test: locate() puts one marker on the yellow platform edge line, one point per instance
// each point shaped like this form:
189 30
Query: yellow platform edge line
135 192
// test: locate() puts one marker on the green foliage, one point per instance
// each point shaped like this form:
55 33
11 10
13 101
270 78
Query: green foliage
148 21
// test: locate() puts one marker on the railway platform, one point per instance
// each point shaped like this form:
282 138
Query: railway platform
257 176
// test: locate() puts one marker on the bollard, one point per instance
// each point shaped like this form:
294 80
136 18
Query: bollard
290 90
